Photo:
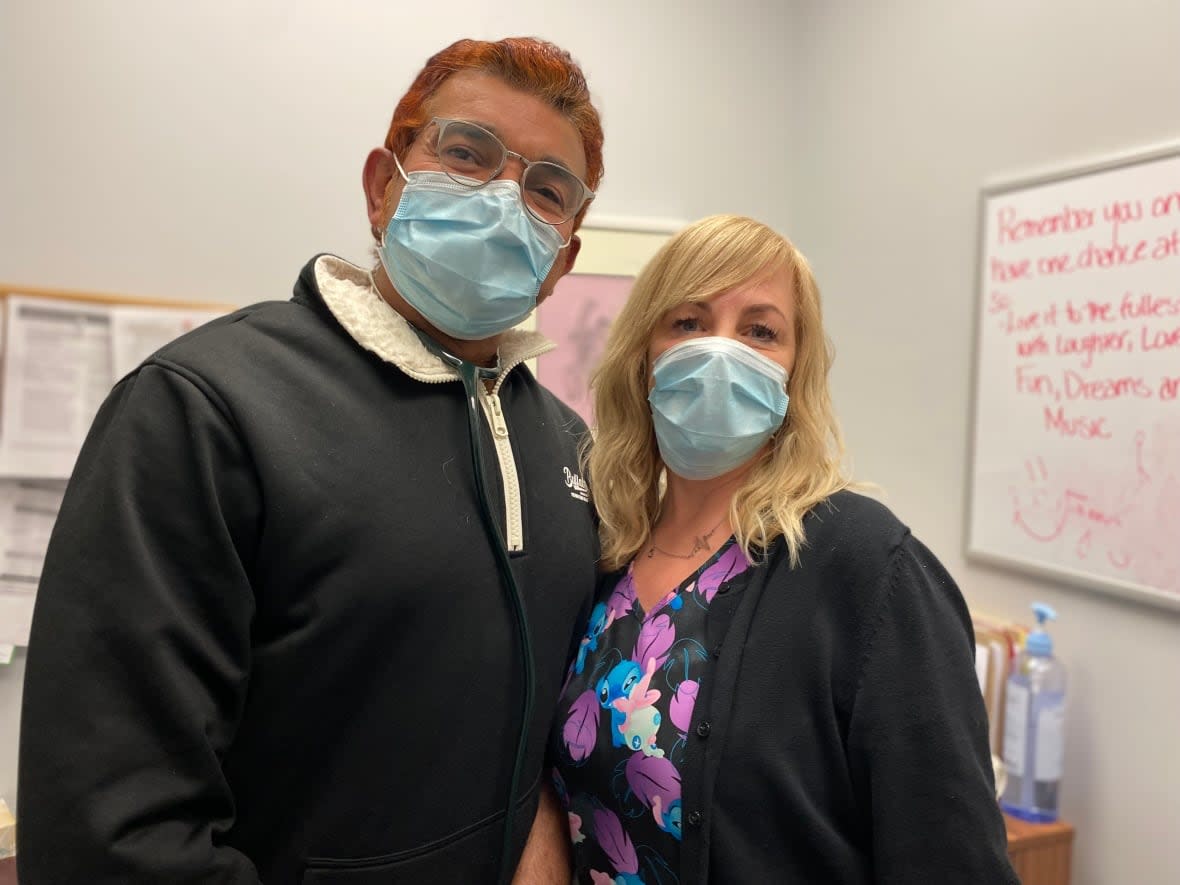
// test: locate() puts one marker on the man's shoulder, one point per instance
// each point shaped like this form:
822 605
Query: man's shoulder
229 341
252 326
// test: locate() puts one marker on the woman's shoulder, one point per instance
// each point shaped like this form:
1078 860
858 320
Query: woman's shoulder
857 543
847 515
858 556
851 541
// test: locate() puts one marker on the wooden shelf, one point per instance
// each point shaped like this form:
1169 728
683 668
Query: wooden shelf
1040 852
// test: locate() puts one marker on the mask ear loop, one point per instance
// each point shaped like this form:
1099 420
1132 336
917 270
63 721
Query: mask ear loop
379 235
400 170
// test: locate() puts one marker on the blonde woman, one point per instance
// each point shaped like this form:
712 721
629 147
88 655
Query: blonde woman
777 683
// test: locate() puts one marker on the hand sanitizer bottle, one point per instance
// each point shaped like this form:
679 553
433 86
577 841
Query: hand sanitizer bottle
1034 727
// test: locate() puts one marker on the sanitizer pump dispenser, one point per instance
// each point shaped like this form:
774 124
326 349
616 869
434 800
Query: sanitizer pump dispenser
1034 727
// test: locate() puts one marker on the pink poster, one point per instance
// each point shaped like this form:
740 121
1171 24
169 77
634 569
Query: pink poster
577 316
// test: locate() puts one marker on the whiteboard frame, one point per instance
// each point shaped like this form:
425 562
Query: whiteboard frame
1072 577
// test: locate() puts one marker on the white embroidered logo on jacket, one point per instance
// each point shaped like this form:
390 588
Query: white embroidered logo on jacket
576 485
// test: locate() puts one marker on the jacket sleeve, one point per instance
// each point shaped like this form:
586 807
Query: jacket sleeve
918 746
140 645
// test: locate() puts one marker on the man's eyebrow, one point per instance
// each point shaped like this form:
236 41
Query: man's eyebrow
548 158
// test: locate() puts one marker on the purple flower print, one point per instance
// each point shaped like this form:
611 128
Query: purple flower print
580 732
655 638
682 703
656 783
653 779
622 599
729 564
615 842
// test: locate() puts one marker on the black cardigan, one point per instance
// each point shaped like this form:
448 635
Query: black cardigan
844 736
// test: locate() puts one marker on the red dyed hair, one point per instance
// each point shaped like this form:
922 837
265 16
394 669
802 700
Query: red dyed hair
534 66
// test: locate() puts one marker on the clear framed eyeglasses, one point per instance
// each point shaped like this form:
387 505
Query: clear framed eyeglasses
473 156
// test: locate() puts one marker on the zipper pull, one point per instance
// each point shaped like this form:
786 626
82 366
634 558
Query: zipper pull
499 425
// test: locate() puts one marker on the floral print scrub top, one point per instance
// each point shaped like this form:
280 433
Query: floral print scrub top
622 725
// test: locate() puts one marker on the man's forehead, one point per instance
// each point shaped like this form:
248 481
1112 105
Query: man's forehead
524 122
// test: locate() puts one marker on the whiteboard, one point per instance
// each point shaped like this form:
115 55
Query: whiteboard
1075 443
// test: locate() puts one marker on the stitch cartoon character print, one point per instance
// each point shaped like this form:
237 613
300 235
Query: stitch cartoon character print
623 721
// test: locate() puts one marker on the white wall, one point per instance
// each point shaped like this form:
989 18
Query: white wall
905 108
206 150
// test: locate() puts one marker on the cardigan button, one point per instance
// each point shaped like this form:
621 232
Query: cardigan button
695 818
703 729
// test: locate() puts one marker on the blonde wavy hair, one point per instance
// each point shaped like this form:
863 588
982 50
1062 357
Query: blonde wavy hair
804 464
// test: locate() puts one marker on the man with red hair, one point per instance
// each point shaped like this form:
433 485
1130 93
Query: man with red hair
308 604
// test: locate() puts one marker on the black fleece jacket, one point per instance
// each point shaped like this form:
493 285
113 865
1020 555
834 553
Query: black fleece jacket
270 642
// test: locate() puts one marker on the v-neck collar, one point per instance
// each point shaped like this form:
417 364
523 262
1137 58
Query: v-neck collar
676 591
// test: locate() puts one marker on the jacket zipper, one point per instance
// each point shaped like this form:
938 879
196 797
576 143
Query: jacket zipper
493 411
513 521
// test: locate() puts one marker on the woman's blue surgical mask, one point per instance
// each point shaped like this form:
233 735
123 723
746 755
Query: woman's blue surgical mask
471 260
714 402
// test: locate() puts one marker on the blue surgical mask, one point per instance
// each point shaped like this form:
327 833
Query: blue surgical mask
715 402
470 260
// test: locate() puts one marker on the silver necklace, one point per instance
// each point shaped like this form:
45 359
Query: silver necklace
699 543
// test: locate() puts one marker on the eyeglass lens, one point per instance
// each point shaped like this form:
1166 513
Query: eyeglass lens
552 193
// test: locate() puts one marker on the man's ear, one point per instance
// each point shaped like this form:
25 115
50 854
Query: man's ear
562 265
571 253
375 177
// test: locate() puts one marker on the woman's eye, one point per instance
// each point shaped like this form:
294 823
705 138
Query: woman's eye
687 324
763 333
